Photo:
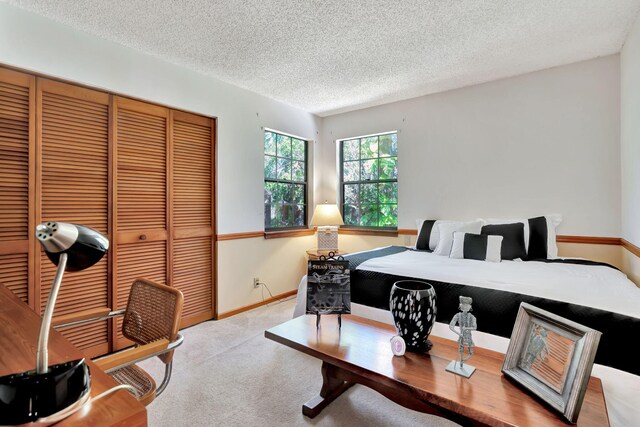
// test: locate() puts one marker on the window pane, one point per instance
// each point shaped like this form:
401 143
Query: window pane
297 149
369 193
369 147
269 167
269 190
287 192
351 195
270 143
351 171
298 215
275 192
284 215
298 171
388 216
388 145
351 150
369 170
298 194
269 215
389 168
284 146
351 215
284 169
388 192
369 215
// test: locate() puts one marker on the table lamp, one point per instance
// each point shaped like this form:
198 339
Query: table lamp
327 218
51 393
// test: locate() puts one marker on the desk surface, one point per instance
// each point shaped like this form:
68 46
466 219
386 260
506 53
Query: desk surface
420 381
19 328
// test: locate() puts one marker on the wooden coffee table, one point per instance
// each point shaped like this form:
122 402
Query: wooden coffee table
360 353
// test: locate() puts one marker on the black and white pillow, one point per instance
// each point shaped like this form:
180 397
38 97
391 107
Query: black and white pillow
429 233
513 239
426 234
539 235
476 246
446 230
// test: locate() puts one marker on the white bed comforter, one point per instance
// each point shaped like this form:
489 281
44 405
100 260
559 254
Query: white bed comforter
592 286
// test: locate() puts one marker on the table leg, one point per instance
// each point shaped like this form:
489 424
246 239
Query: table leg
332 387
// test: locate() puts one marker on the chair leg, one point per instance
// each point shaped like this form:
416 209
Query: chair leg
165 380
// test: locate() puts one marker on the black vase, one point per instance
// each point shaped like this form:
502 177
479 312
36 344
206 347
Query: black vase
413 306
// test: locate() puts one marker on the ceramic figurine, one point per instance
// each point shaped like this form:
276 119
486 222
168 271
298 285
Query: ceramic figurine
466 323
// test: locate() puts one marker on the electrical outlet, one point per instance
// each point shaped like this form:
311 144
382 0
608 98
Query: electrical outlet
256 282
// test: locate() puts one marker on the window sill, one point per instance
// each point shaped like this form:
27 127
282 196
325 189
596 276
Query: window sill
289 233
368 232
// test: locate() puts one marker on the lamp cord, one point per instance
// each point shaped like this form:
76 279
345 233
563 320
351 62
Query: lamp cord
264 285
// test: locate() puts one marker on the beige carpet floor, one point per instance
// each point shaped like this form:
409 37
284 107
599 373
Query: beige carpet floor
228 374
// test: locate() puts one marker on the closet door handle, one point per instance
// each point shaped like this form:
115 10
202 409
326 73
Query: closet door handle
143 237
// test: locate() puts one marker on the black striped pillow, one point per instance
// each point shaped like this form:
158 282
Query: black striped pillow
476 246
513 239
424 236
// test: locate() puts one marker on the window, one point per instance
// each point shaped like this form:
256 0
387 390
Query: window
285 181
369 181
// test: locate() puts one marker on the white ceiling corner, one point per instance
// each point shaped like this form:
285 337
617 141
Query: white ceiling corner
332 56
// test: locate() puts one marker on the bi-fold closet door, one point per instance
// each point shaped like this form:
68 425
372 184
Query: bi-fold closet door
17 182
72 185
140 173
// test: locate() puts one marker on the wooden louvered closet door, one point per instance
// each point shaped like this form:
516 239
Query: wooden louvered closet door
193 224
141 174
17 181
142 199
74 187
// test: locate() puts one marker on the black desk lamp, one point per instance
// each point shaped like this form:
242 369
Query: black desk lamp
51 393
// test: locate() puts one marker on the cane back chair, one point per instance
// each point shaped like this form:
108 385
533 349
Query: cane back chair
151 320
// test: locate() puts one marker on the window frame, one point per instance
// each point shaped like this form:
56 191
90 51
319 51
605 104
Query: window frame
292 182
342 183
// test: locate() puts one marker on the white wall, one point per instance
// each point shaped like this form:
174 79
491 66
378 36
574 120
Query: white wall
538 143
630 135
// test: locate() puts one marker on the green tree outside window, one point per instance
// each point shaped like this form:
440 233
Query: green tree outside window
369 181
285 181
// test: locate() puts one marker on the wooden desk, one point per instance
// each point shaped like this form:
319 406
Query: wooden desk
361 353
19 327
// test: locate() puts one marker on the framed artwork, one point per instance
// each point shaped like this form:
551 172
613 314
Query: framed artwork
552 357
328 287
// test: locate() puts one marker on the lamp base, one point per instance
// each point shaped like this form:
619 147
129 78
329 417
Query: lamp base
328 238
45 398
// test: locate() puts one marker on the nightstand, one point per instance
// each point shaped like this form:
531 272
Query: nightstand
314 254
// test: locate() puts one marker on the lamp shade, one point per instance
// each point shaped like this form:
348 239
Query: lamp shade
326 215
84 246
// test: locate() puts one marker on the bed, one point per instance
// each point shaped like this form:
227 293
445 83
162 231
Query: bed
594 294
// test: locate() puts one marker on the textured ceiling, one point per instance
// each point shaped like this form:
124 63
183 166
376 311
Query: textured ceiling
329 56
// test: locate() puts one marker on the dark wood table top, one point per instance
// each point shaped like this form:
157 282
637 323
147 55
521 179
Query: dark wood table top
362 347
19 328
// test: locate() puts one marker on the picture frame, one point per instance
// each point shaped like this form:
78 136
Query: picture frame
552 357
328 287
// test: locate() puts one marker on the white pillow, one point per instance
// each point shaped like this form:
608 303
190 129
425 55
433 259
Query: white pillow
446 230
553 221
490 252
435 234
